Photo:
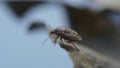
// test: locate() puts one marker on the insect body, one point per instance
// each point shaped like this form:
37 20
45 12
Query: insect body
67 34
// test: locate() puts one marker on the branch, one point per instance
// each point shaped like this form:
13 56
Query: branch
87 58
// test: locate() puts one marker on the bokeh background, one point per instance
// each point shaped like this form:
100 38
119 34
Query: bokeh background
23 30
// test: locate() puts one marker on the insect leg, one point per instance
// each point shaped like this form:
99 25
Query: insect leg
75 46
61 40
56 40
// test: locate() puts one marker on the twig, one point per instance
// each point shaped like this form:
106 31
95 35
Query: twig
87 58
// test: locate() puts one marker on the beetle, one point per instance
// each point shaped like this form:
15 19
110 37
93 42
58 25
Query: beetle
67 34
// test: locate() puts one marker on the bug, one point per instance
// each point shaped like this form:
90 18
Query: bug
67 34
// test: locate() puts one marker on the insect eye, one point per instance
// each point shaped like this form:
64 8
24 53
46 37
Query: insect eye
51 32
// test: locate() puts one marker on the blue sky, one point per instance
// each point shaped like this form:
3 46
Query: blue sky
19 49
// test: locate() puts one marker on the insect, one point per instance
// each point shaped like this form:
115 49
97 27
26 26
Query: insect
67 34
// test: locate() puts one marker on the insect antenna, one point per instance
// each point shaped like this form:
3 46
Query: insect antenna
49 29
45 41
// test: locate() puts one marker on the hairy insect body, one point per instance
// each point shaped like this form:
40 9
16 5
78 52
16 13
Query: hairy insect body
67 34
